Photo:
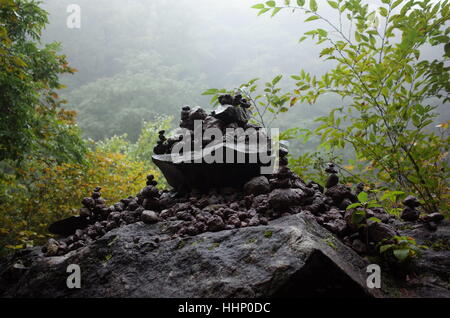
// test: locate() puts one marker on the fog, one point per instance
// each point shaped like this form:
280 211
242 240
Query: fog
137 59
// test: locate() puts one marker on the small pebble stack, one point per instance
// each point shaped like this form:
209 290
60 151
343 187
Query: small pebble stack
411 213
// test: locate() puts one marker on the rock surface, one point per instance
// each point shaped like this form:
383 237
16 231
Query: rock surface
292 256
257 185
433 267
410 214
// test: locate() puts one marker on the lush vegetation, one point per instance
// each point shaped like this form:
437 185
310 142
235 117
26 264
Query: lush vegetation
46 168
374 104
37 193
385 114
32 122
100 104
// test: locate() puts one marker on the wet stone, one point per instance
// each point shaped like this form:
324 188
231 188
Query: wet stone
215 224
380 231
258 185
285 198
332 180
410 214
411 202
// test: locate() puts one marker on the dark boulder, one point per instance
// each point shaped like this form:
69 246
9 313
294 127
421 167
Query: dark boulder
411 202
149 217
285 198
68 226
359 246
332 180
215 224
336 226
433 217
379 231
197 113
340 192
381 214
231 114
331 168
257 185
410 214
291 257
212 122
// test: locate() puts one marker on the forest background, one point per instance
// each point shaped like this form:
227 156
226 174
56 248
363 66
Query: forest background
87 112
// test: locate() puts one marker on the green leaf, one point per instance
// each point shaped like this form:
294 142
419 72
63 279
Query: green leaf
210 91
447 49
262 11
383 11
401 254
300 3
327 51
386 247
271 4
322 32
354 205
19 62
312 18
363 197
7 2
303 38
313 5
333 4
277 79
258 6
358 217
276 10
214 100
396 4
374 219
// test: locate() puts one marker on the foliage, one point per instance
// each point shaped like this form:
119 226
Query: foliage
267 105
32 120
42 191
143 92
142 150
360 208
364 202
385 87
39 194
438 245
311 165
403 248
391 200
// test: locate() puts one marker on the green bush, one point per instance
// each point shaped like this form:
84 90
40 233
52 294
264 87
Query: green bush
386 87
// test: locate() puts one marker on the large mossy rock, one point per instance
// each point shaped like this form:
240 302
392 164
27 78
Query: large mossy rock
291 257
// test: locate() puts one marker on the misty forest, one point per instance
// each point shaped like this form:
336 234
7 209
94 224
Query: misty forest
358 86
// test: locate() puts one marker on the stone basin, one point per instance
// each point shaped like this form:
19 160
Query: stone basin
183 174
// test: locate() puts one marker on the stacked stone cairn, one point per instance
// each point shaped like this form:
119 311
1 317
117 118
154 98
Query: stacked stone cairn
262 199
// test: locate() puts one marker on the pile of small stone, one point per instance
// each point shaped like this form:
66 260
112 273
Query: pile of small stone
260 200
231 113
411 214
